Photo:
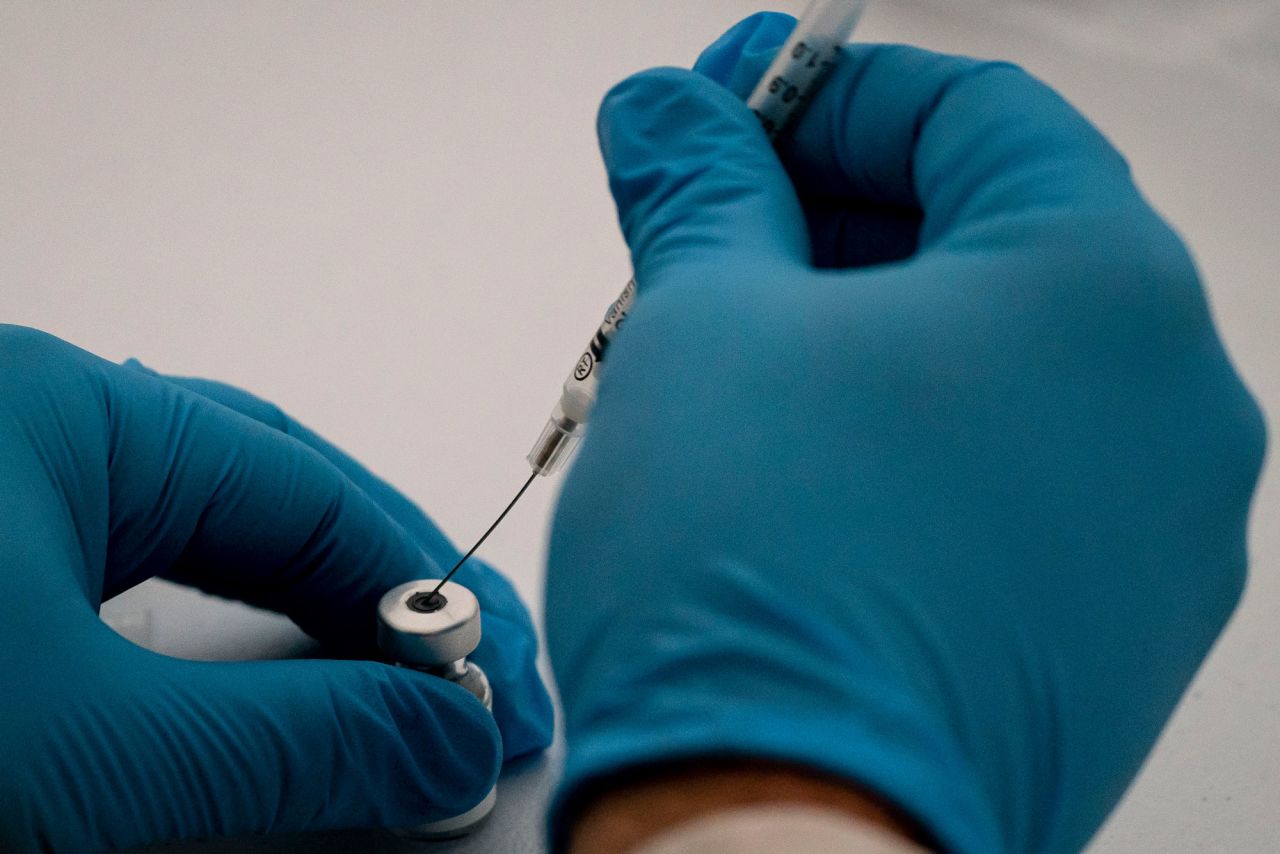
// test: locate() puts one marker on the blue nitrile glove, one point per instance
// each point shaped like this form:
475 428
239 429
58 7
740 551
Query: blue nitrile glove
111 474
959 526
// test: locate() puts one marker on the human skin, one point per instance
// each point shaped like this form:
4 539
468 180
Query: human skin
641 806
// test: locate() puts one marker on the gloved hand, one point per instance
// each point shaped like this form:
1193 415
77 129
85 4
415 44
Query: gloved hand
111 474
919 461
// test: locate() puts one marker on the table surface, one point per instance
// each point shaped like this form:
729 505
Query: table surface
391 219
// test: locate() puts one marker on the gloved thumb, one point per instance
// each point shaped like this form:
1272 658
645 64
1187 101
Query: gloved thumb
695 179
169 749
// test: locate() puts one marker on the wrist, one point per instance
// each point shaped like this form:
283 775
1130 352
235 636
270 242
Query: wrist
628 809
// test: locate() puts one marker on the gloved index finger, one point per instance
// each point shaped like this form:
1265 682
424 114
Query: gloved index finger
392 502
961 139
496 594
207 495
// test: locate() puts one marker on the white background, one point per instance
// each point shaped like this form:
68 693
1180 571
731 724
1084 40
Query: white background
390 218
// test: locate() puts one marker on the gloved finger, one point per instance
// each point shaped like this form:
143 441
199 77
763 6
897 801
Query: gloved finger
387 497
164 749
207 495
738 59
694 178
508 652
496 595
508 648
963 140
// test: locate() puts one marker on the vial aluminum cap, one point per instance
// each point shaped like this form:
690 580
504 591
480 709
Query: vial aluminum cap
412 635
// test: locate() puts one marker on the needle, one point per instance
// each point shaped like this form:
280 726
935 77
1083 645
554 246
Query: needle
483 537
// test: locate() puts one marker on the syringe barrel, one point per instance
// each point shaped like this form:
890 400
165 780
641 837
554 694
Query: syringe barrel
803 62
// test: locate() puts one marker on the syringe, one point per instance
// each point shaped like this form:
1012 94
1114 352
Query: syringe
799 68
802 63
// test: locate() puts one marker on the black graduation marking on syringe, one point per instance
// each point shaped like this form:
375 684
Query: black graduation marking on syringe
598 345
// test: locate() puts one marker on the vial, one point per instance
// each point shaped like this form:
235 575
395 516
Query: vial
434 633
